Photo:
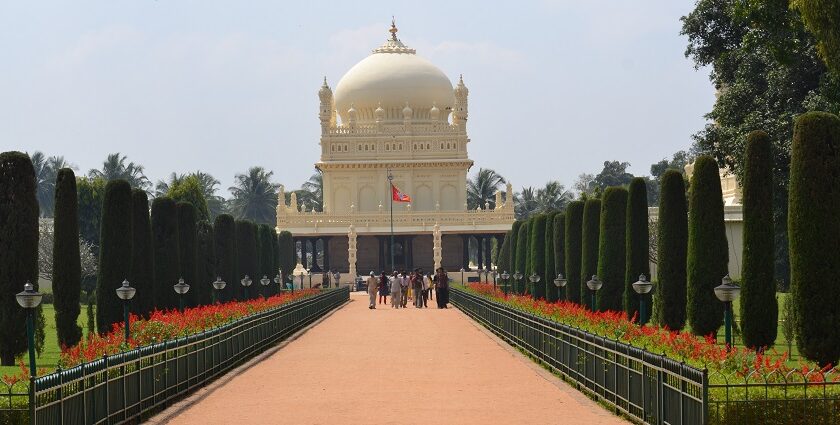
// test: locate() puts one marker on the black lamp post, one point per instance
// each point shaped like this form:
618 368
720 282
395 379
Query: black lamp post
642 287
517 280
727 292
494 274
301 281
30 299
279 281
309 273
218 285
246 282
126 293
560 282
181 288
594 285
462 275
337 277
265 281
534 278
505 278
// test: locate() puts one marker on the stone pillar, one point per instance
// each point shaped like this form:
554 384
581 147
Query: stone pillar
437 246
488 252
351 254
480 251
325 243
465 254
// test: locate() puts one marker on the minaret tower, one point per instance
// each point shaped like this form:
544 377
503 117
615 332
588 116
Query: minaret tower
326 113
460 110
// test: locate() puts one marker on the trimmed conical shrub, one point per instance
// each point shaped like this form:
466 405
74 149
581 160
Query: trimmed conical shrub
224 238
708 253
813 231
287 254
166 252
246 258
537 247
637 247
206 257
18 248
759 309
142 274
265 246
574 239
612 254
188 252
549 274
559 241
514 239
521 257
504 254
589 245
114 253
671 246
67 269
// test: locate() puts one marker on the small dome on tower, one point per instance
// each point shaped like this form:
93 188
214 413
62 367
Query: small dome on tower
407 112
351 114
461 89
325 93
379 113
434 113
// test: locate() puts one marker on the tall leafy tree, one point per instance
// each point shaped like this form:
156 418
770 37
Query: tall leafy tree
18 248
117 167
247 262
142 275
254 196
67 268
206 272
552 197
525 203
637 249
287 254
46 172
759 310
188 252
166 251
521 257
208 187
612 253
514 237
614 173
91 192
708 250
559 241
822 18
572 251
482 187
549 274
311 192
814 245
589 245
503 262
537 252
265 244
225 246
190 190
114 253
672 244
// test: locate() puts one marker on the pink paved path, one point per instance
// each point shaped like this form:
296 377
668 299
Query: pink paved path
387 366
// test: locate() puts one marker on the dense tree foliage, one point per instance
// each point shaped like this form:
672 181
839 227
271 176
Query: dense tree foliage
166 252
551 197
188 252
521 256
206 262
672 245
224 238
254 196
191 190
503 261
482 188
537 250
589 245
572 250
142 275
708 250
91 192
814 245
247 262
287 254
612 254
822 18
549 274
115 167
559 241
207 183
67 268
637 249
614 173
114 253
759 309
514 240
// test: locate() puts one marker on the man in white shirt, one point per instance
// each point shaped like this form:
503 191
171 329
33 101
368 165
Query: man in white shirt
373 286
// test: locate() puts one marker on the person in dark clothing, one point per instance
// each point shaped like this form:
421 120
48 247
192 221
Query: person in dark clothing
442 288
384 290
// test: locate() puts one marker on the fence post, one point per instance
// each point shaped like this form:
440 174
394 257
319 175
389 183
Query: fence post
704 405
32 400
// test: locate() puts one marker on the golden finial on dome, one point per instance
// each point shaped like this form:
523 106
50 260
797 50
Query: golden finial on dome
393 29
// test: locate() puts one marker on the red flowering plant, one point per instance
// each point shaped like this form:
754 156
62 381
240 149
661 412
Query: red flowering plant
701 352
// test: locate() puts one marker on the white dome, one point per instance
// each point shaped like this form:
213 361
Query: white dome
391 76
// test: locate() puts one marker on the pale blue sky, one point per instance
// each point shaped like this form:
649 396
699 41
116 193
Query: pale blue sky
556 87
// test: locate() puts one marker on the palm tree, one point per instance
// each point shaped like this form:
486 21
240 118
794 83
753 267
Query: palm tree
254 196
311 192
215 203
552 197
115 167
162 187
524 203
482 188
46 170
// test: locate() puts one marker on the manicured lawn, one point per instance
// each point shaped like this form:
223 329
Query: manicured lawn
49 357
781 345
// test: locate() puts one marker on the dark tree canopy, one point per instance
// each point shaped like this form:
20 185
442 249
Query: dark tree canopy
287 254
521 256
589 245
206 272
637 245
188 252
574 238
247 263
224 237
537 243
549 274
142 275
67 268
612 249
166 252
114 253
559 241
671 247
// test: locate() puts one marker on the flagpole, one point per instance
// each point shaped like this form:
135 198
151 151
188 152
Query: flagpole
391 189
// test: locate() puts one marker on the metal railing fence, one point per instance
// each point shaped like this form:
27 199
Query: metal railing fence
129 386
646 387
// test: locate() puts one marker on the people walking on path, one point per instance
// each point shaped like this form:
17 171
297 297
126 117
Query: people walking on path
396 291
431 278
417 288
404 288
325 279
372 287
426 285
383 288
442 285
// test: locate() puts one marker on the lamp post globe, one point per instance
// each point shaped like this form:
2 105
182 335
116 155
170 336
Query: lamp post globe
125 292
29 299
181 288
517 280
246 282
594 285
534 278
265 281
727 292
218 285
642 287
505 277
560 282
279 280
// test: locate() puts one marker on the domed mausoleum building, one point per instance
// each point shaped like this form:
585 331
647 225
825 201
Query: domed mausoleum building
394 112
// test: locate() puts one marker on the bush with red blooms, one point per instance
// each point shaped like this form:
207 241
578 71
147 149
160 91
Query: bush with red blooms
696 351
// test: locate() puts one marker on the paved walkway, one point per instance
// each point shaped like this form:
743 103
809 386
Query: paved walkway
386 366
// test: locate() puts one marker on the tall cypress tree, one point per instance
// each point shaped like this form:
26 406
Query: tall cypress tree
188 252
287 255
18 248
759 309
265 247
549 274
67 269
114 253
514 239
708 251
528 257
559 242
637 246
813 229
573 242
246 258
206 272
142 274
166 251
504 254
521 257
224 238
589 246
671 246
612 253
537 247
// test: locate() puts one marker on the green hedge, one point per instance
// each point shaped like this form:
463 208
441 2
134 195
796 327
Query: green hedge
612 254
559 241
589 245
514 240
504 254
224 238
166 251
537 246
206 260
188 252
114 253
759 309
708 250
671 247
67 269
637 247
549 261
813 232
142 274
287 254
246 259
521 256
572 250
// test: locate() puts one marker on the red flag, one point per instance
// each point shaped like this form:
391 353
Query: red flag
398 196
